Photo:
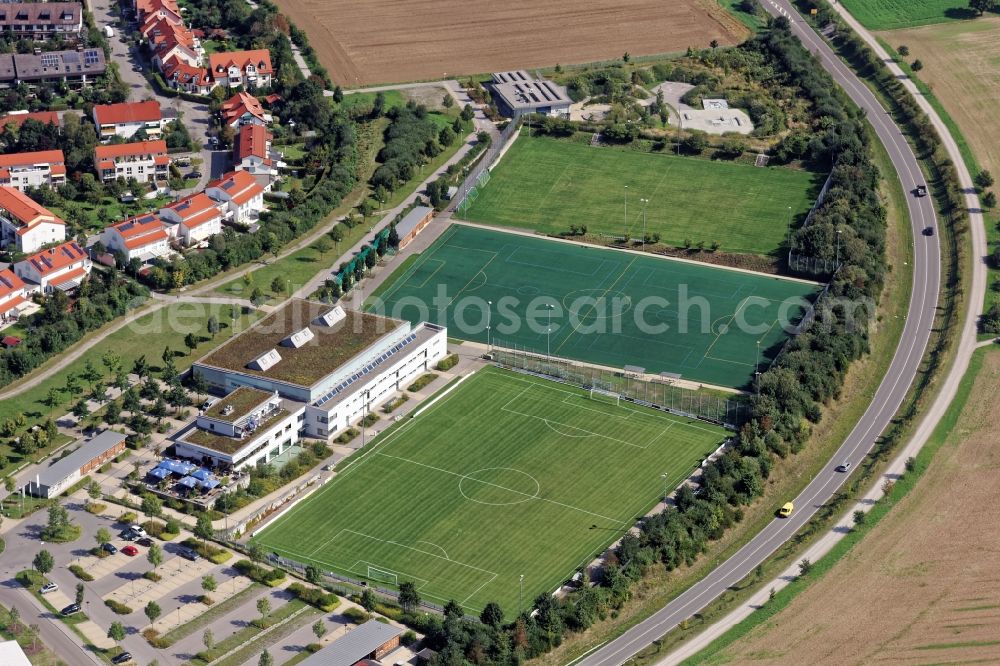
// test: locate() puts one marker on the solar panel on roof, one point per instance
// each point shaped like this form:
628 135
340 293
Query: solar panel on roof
49 60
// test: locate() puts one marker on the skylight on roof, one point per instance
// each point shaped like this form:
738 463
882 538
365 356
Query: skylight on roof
336 314
298 338
265 361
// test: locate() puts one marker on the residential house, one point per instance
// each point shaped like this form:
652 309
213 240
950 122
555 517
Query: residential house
182 76
60 268
241 193
40 21
12 295
252 152
244 109
166 9
141 237
193 219
127 118
146 161
42 167
17 118
250 69
25 224
169 40
77 68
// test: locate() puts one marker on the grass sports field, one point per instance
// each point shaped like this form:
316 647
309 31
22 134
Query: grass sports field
546 185
891 14
505 475
610 307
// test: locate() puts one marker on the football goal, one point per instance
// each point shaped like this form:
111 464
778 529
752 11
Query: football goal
382 575
608 397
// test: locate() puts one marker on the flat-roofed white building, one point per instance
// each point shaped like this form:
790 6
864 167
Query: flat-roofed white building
340 364
247 427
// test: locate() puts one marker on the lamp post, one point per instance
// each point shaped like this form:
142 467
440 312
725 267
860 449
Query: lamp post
520 595
625 227
644 202
548 332
756 368
836 266
664 477
489 316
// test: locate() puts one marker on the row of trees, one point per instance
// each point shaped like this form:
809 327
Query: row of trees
410 140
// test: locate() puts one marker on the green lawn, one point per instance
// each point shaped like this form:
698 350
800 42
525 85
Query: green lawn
610 307
297 268
547 185
115 211
147 336
510 474
393 98
892 14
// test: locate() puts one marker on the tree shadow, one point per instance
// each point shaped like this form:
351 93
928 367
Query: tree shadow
961 13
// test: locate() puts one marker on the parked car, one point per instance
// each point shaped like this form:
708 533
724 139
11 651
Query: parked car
844 466
137 531
130 550
188 554
48 587
109 548
123 658
193 174
127 535
69 610
145 541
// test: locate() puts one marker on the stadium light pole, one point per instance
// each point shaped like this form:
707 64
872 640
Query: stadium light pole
756 368
548 331
520 595
664 477
837 264
489 316
625 227
644 202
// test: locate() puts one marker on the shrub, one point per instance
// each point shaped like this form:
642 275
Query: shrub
260 574
95 508
207 600
313 648
80 572
118 607
421 382
370 419
448 362
153 576
347 435
325 601
153 637
127 518
356 615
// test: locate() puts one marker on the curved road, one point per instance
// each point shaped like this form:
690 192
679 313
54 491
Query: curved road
884 404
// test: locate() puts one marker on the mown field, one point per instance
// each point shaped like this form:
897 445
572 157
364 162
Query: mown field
891 14
921 587
547 185
503 476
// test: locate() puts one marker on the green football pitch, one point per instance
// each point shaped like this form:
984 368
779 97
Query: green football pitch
546 185
503 475
609 307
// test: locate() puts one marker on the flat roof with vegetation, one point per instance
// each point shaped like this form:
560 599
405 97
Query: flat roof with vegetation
243 401
330 348
229 445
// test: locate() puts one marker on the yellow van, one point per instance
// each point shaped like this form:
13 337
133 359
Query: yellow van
786 510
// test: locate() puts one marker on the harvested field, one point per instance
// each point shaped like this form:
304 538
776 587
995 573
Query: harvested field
922 587
960 65
388 41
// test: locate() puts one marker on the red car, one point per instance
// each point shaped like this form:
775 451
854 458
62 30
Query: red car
130 550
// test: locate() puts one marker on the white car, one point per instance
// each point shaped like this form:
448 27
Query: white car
48 587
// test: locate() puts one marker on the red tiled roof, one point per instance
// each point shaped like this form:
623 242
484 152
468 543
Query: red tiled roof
11 340
194 210
252 142
240 186
110 152
56 258
10 305
259 58
240 104
36 157
18 119
10 282
25 210
69 275
146 239
176 69
146 7
127 112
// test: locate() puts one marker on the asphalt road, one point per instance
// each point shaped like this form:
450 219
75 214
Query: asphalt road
884 404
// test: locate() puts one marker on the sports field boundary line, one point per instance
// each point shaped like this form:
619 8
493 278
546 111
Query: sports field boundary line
541 236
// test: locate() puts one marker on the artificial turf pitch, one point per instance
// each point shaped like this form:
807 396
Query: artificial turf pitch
547 185
505 475
610 307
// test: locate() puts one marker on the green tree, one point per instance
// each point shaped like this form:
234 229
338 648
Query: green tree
102 537
152 611
80 591
43 562
116 632
208 583
917 65
264 608
203 527
805 566
448 101
152 506
492 615
903 50
368 599
154 556
984 179
94 490
213 325
208 639
319 629
409 599
989 199
265 659
983 6
191 342
312 574
277 284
